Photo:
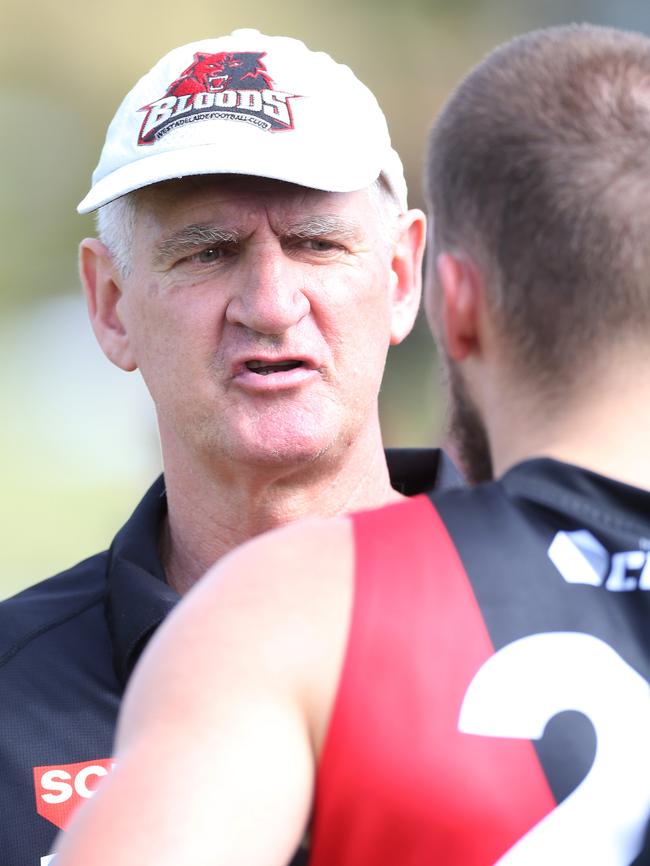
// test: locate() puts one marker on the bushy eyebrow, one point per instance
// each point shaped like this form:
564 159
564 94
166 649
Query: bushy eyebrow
189 238
323 225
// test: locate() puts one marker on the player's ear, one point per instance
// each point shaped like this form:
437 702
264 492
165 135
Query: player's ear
406 273
461 299
103 289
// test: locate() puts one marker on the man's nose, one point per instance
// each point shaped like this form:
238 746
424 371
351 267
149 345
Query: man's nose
270 298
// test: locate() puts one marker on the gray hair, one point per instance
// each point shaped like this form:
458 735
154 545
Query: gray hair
115 223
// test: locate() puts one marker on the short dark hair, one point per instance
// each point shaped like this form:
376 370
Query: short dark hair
539 167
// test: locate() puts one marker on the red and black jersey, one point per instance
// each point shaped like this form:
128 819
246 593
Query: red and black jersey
494 704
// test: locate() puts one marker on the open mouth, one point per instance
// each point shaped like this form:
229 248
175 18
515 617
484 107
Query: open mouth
262 368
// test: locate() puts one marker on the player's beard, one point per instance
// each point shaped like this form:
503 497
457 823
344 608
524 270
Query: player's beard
466 429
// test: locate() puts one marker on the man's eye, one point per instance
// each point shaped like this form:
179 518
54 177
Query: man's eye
209 255
321 246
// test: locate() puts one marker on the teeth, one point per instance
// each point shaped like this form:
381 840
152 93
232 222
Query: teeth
263 368
252 365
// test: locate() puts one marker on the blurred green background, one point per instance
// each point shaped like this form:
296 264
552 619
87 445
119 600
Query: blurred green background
78 443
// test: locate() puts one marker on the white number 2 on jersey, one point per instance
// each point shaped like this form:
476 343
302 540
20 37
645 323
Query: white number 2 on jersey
518 691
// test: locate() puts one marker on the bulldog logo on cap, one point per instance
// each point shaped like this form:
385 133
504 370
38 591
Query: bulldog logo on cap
227 86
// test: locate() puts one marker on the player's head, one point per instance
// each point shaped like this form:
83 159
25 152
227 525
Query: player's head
538 182
252 208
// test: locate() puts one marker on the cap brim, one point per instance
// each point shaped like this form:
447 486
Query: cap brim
333 175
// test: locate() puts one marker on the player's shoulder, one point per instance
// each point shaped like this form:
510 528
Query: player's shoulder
292 562
317 541
270 605
52 603
272 587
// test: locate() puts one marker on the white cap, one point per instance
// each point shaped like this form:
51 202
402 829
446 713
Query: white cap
247 104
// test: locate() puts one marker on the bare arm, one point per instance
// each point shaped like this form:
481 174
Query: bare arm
224 718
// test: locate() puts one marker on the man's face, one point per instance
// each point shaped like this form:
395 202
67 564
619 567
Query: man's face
259 314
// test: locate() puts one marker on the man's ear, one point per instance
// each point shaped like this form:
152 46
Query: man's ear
102 287
406 273
462 296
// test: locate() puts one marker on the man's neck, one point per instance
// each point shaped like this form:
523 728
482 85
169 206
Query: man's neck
603 427
212 512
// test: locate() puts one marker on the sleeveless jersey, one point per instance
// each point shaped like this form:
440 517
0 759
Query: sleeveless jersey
494 705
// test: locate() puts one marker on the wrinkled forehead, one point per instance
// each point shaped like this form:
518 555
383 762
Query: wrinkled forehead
237 199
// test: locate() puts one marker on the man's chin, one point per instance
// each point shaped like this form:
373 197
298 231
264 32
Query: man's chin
280 453
277 445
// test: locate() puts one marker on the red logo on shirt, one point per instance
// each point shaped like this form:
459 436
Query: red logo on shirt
60 789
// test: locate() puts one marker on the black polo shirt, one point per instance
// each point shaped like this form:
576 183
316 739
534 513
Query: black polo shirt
67 648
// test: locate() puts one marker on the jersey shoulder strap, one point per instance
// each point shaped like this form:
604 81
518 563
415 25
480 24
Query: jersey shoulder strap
394 758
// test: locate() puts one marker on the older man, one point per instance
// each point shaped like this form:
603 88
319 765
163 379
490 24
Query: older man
463 681
255 260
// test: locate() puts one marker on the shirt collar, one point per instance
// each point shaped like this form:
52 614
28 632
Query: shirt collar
606 504
138 596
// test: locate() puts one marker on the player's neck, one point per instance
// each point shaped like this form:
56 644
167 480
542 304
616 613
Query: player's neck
603 427
211 511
